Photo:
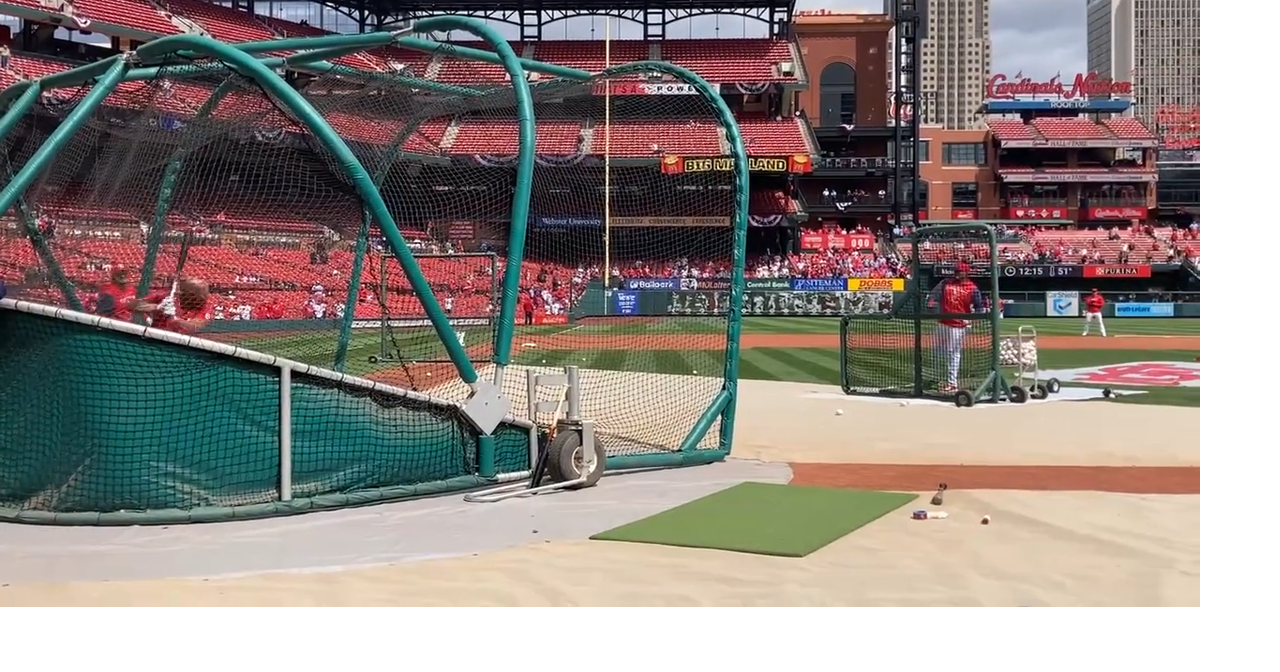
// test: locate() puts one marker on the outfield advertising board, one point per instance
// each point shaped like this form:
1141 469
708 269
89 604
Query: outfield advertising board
839 284
1062 304
1144 310
779 304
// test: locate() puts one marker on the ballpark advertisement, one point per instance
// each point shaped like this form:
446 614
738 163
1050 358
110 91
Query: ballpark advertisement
794 304
771 284
1144 309
1062 304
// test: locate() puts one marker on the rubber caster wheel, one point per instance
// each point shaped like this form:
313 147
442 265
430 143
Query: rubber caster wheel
566 462
1017 394
1054 386
964 399
1106 393
1040 391
373 359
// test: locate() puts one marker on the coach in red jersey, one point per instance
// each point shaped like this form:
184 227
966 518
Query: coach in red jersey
116 299
1093 312
954 297
184 312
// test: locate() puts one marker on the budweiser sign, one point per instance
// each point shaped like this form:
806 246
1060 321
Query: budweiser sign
1092 85
1116 212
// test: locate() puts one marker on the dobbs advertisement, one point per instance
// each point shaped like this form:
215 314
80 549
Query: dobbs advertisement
876 284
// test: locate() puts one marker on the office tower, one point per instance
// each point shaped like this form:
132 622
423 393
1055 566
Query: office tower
1153 43
956 62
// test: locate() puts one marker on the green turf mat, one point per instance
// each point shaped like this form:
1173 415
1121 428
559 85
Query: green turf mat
787 520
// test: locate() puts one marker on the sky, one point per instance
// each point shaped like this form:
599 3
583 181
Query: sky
1038 37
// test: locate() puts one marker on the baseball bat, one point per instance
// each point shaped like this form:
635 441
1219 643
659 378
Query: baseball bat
183 250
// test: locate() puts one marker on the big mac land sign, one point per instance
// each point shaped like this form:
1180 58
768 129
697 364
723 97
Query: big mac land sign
1083 87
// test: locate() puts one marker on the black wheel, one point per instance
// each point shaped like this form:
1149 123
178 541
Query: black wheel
1040 391
1106 393
1054 385
1017 394
373 359
566 462
964 399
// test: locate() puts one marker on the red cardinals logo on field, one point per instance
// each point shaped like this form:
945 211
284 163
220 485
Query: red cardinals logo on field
1136 374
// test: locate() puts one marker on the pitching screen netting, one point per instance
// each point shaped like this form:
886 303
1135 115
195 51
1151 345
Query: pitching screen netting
928 344
628 260
271 222
467 286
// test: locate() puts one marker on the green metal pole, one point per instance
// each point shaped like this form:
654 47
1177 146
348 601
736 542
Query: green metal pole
165 199
344 157
725 404
12 93
353 44
50 149
25 95
362 248
77 75
466 53
1001 385
523 191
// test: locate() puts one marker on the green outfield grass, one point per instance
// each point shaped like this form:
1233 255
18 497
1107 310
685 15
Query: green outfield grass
1047 326
810 365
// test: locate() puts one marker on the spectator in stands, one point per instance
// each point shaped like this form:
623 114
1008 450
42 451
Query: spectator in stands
316 306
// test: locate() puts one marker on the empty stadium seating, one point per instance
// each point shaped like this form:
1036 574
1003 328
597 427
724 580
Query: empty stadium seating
139 15
224 23
1046 129
1069 128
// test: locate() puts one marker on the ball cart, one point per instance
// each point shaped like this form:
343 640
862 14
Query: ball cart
1022 352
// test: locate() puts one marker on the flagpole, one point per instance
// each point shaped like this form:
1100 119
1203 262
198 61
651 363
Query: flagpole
608 138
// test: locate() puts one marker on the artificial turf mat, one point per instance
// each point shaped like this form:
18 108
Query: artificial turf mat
764 518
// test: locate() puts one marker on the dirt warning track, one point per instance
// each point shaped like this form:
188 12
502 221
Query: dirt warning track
750 341
1183 480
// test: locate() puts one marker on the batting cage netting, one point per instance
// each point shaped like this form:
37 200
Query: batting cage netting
373 253
939 340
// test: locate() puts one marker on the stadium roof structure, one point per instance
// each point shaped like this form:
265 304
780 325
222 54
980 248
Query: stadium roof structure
433 7
532 15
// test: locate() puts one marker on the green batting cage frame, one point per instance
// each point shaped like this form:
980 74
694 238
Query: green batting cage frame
916 350
414 339
106 422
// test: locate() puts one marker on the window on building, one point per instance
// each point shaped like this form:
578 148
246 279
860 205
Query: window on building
922 151
964 194
964 154
837 95
904 194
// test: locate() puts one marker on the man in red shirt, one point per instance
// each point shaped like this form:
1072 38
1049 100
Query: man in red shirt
1093 313
525 304
954 297
183 312
116 299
